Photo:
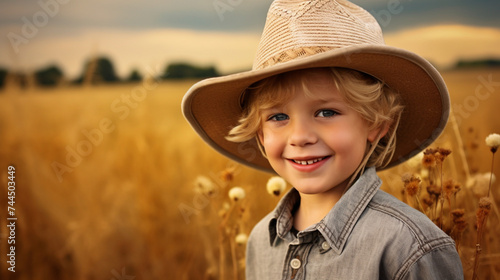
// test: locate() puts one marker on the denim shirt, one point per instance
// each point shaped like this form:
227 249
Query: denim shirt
368 234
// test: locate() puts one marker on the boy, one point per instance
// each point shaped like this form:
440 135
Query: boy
326 104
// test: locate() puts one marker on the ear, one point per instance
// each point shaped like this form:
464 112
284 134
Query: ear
379 132
260 136
260 141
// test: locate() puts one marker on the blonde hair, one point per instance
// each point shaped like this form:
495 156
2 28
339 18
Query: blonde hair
378 105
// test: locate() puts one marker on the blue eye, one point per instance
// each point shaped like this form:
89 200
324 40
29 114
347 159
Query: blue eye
326 113
278 117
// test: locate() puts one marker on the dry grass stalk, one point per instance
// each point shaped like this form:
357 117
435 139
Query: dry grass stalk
460 142
485 204
481 216
459 226
433 159
230 215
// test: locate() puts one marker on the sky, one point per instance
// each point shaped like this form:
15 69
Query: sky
150 34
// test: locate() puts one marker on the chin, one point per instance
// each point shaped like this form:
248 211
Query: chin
312 189
316 187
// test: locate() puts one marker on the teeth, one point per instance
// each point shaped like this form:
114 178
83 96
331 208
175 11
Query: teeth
304 162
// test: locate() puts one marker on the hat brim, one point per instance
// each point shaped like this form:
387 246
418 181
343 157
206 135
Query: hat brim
212 106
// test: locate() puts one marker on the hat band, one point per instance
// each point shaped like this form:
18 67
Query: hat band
292 54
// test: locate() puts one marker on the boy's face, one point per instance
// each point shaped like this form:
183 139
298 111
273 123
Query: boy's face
314 141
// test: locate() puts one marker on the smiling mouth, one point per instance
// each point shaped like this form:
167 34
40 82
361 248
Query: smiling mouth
309 161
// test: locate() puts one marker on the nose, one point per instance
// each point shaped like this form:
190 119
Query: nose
302 133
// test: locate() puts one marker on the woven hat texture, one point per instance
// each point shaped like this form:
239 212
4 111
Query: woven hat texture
322 33
297 29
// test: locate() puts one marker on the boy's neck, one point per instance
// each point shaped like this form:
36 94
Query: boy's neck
314 207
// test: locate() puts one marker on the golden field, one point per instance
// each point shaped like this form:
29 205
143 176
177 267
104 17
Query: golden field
105 183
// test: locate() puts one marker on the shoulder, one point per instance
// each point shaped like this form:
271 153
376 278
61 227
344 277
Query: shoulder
395 211
411 239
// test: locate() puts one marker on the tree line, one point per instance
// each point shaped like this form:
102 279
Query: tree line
101 70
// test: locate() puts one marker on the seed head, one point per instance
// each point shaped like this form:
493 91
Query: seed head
485 203
457 213
406 177
412 188
411 184
459 220
236 193
449 188
429 160
241 239
441 154
204 185
430 151
434 190
493 141
483 211
428 201
276 185
227 175
444 152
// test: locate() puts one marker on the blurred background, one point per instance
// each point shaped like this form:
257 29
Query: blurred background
107 172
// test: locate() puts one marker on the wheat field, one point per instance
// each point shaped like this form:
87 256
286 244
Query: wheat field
105 183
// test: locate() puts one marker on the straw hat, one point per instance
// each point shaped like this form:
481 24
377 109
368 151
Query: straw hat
322 33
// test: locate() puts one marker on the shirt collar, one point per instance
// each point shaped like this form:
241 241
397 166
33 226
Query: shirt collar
337 225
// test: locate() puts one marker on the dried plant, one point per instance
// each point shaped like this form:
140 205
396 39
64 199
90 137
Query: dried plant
228 210
481 216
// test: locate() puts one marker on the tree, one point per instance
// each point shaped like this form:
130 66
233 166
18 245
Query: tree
185 71
479 63
50 76
3 75
134 76
99 69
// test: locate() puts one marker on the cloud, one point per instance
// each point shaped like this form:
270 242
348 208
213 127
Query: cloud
237 15
443 45
396 15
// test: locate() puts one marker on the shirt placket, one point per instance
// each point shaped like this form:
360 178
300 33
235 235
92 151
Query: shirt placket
296 257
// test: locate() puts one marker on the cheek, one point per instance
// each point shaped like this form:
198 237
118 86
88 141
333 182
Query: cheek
271 142
348 139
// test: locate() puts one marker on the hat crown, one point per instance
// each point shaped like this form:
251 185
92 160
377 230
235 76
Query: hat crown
297 28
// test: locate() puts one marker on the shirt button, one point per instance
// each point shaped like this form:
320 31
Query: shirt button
295 263
325 245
